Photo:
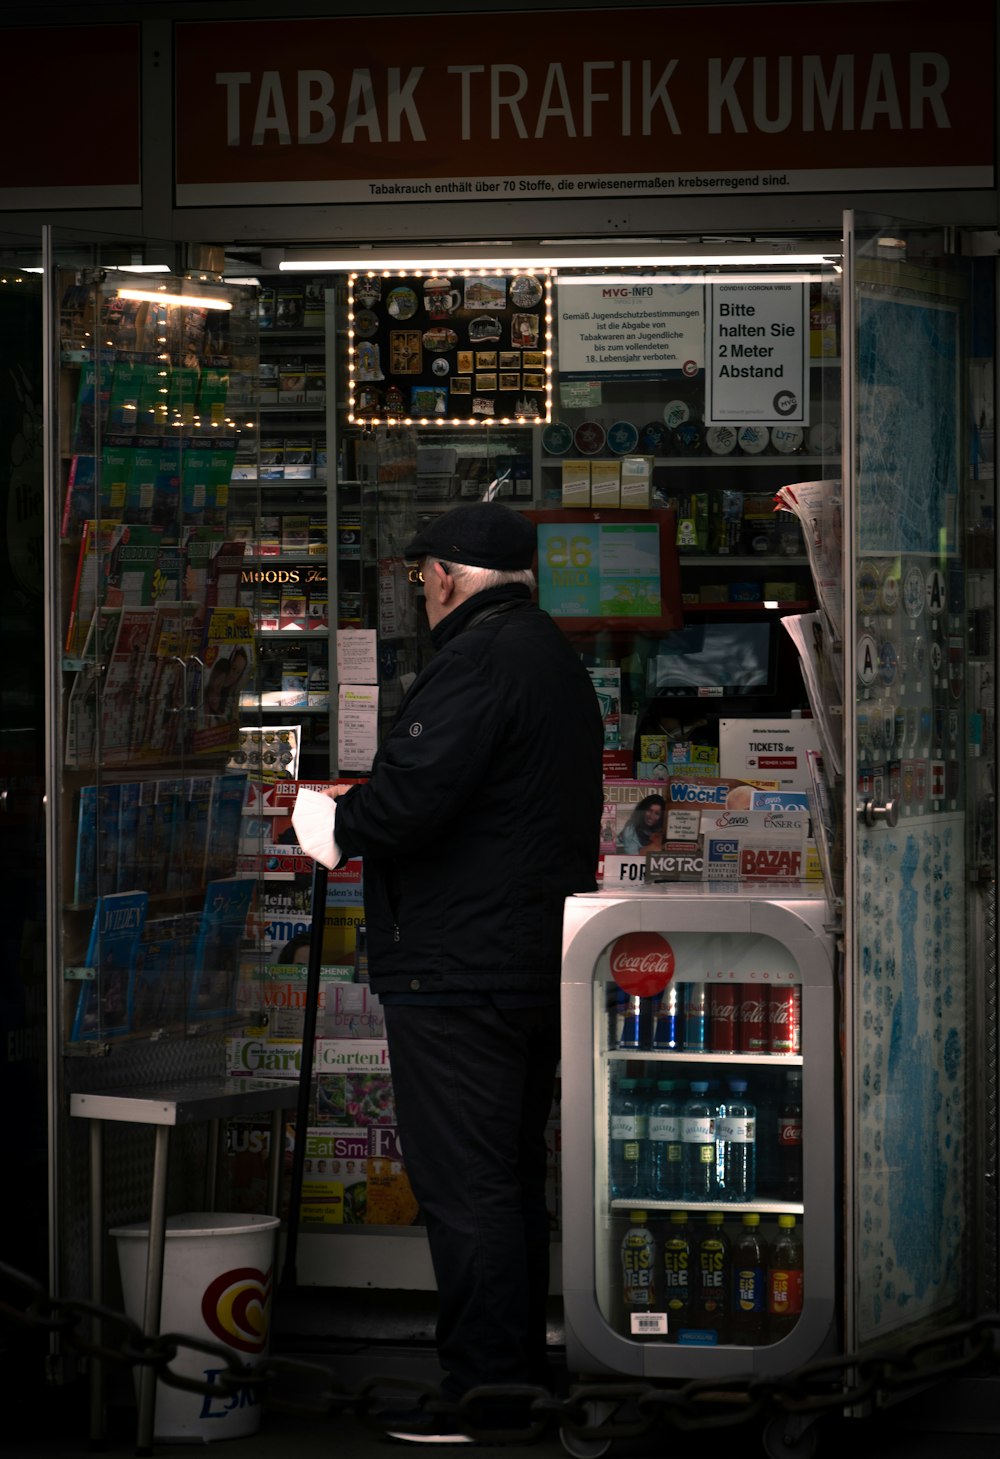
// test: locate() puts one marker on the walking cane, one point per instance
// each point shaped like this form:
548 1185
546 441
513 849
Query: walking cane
289 1275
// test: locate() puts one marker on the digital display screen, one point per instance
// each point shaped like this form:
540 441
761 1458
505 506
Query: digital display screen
599 569
713 659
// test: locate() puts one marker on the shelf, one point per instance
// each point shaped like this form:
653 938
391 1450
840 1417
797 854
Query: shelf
725 559
303 634
288 407
266 483
282 336
793 605
678 1056
763 1207
791 460
296 557
284 709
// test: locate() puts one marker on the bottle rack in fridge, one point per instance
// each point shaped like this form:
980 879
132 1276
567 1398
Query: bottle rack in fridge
699 1176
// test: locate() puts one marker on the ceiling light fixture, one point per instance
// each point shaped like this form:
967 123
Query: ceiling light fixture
189 301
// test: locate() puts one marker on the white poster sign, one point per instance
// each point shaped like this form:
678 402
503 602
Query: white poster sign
758 352
357 727
357 651
629 327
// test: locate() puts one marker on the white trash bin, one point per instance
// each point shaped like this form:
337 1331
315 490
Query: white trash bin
218 1278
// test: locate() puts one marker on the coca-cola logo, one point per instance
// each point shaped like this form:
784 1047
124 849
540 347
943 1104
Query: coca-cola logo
753 1011
642 963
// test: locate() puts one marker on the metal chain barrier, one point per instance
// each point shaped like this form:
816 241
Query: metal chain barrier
591 1410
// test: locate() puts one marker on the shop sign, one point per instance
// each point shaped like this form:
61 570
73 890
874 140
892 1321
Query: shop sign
736 99
69 108
631 328
758 351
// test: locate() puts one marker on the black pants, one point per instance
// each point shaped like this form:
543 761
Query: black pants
473 1089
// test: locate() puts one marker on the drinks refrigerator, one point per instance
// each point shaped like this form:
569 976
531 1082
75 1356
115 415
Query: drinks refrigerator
716 936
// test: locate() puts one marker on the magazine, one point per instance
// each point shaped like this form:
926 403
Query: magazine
217 947
163 973
121 705
228 657
224 816
102 1009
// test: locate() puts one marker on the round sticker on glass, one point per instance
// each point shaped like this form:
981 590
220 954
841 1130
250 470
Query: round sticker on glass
642 963
557 438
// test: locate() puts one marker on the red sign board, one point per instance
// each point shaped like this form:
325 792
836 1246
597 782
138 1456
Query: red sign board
69 115
713 99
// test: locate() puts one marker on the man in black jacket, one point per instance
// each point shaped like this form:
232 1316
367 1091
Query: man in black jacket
481 816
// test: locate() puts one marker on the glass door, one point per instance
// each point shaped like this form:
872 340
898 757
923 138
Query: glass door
919 604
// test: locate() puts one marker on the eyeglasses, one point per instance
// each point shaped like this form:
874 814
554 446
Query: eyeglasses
415 573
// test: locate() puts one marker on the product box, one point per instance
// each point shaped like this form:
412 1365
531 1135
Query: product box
637 481
773 749
576 483
608 687
605 484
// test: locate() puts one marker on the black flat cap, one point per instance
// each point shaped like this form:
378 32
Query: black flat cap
487 534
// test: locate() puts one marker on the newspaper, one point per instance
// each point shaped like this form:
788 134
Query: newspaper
821 662
818 506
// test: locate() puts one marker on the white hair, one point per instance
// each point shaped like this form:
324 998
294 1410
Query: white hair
477 579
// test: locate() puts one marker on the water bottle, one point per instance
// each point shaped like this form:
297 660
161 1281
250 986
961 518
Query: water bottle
665 1171
624 1133
749 1283
736 1133
784 1280
638 1261
677 1274
698 1144
645 1094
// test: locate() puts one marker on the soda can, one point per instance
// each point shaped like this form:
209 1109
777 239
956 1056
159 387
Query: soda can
629 1016
723 1018
785 1020
667 1032
695 1018
754 1013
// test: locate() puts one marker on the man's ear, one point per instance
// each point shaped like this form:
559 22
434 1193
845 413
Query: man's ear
444 581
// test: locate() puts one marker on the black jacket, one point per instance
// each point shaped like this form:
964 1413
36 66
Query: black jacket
483 809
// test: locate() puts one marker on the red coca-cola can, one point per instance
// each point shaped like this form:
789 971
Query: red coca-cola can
785 1021
754 1015
723 1018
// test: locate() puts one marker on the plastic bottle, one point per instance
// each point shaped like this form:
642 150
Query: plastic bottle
645 1094
749 1283
784 1280
677 1272
736 1133
698 1142
711 1298
638 1259
789 1174
624 1135
665 1168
